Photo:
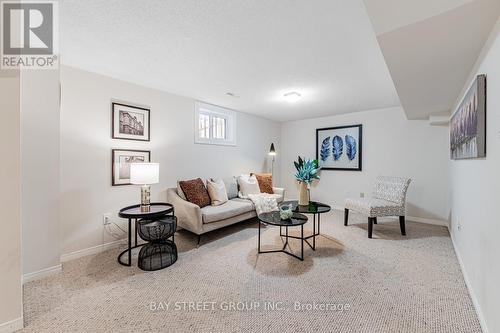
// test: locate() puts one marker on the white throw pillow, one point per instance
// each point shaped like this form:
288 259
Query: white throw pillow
217 192
248 185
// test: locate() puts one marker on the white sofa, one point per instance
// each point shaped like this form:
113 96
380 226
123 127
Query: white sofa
202 220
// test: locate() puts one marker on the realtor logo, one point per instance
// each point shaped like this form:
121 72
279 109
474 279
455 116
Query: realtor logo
29 34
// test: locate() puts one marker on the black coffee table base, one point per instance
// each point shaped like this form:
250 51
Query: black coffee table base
285 245
314 234
315 209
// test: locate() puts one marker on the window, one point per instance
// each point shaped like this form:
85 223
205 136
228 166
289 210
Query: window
214 125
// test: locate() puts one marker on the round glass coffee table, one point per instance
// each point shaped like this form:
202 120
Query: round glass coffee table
314 208
273 218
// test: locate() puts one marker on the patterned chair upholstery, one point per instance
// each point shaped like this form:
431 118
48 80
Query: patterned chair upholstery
389 199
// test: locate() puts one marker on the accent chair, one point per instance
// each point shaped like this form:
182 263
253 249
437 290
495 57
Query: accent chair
389 199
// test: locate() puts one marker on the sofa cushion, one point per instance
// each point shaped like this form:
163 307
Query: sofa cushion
265 181
227 210
217 192
195 192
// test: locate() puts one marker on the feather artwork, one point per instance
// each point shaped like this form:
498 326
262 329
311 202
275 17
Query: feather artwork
351 148
338 147
325 149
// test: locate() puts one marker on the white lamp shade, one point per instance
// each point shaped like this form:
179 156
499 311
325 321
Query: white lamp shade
144 173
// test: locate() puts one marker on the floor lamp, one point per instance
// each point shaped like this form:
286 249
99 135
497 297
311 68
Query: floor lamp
272 152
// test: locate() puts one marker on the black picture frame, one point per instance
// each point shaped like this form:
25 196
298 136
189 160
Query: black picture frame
359 147
114 172
115 126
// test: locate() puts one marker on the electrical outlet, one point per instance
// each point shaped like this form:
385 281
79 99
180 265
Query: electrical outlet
106 217
362 194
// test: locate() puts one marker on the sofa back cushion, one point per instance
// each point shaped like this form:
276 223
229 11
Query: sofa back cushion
231 186
265 181
391 189
195 192
248 185
217 192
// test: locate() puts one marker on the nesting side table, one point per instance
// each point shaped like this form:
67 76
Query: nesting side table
158 212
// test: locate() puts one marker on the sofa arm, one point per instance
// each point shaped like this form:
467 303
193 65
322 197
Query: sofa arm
280 191
188 214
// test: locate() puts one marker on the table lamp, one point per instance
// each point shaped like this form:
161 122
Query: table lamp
145 174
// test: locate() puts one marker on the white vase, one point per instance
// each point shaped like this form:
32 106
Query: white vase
303 194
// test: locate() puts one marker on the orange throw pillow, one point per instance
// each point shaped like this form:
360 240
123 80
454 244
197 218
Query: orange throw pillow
265 181
195 192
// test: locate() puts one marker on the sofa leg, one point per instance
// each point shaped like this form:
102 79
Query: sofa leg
402 225
199 240
374 220
370 227
346 216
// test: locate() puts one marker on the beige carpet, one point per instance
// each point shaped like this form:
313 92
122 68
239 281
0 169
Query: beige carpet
387 284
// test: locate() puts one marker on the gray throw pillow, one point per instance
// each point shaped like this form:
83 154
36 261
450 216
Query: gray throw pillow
231 186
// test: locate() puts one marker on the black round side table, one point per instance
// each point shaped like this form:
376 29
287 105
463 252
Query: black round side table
274 218
158 211
160 252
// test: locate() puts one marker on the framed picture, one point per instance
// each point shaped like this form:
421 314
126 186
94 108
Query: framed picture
339 148
130 122
121 160
468 123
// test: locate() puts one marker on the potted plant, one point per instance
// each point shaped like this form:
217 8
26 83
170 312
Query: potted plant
307 171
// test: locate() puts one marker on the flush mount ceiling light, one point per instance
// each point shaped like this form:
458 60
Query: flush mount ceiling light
292 97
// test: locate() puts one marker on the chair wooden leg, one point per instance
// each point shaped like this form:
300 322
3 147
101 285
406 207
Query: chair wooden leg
402 225
370 227
374 220
346 216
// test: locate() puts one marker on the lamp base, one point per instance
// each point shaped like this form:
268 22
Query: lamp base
145 198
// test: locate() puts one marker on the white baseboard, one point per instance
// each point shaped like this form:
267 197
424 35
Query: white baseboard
472 294
12 326
91 250
42 273
427 221
412 218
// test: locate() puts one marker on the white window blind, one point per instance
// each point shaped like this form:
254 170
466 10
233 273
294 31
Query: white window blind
214 125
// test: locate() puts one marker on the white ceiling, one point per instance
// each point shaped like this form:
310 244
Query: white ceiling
324 49
430 47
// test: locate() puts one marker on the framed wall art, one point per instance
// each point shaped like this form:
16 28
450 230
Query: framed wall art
130 122
121 160
340 148
468 123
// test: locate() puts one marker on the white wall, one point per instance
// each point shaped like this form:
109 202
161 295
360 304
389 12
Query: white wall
11 309
40 170
86 191
475 188
392 146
